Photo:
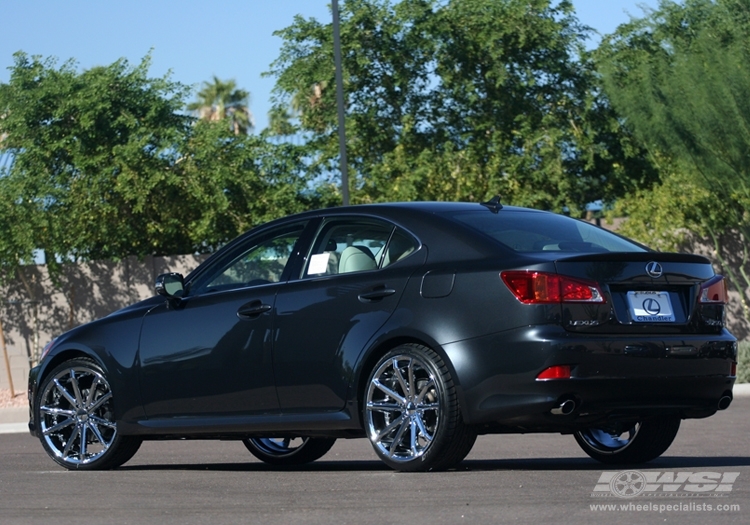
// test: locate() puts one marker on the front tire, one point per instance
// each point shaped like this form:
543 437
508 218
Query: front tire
633 443
287 451
411 412
77 425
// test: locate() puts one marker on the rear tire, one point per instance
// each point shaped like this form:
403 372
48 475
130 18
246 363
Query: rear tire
636 443
411 412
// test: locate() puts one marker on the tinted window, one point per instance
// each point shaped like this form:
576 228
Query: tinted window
357 245
400 246
537 232
260 261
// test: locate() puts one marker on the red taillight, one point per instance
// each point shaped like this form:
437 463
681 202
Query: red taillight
733 370
714 291
542 287
554 372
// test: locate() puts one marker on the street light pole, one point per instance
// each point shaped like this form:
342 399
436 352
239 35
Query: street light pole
340 102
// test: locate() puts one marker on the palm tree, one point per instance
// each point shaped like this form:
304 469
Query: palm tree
219 100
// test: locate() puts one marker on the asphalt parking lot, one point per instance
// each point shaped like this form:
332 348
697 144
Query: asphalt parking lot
506 479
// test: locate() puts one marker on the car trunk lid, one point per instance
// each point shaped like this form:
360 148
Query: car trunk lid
645 293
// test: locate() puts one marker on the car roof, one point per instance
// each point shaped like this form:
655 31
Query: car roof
428 206
431 215
392 209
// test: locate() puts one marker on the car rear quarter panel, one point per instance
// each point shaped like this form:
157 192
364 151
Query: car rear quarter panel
469 303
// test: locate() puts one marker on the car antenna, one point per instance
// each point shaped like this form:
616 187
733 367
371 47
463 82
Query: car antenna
493 204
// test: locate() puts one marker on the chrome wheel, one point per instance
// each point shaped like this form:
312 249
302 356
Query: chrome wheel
403 408
610 441
411 411
279 446
76 418
630 443
288 450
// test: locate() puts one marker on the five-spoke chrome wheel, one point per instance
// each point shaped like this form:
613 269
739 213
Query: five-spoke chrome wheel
286 451
411 412
76 418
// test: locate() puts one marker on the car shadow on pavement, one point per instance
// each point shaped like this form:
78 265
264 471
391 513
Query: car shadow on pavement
528 464
542 464
318 466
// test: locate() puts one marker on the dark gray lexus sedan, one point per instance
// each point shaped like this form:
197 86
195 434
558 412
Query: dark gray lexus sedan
418 326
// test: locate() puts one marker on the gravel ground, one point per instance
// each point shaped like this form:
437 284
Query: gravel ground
10 402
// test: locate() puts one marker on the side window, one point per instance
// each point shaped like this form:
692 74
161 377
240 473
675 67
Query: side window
263 262
348 246
399 247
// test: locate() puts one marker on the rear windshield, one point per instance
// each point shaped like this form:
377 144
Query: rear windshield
528 231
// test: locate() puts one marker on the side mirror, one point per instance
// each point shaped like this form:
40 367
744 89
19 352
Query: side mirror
170 285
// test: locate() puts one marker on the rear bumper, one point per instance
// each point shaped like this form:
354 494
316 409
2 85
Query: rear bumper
609 379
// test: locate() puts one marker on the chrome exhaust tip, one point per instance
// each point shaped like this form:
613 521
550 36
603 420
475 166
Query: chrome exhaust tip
565 408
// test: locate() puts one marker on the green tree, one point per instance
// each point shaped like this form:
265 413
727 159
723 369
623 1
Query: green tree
241 181
106 165
220 100
458 100
93 157
680 77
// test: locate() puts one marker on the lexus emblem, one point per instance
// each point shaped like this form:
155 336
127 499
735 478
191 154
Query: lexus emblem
651 307
653 269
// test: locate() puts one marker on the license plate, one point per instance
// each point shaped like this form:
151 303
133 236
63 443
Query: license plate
650 307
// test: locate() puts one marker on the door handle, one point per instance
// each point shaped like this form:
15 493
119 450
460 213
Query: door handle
376 294
252 310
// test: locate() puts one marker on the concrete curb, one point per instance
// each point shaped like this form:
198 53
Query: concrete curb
14 415
14 428
15 420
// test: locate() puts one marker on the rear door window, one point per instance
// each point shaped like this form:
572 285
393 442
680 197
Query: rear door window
357 245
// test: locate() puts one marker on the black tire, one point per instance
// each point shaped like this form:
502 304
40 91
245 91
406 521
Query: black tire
634 443
411 412
77 426
288 451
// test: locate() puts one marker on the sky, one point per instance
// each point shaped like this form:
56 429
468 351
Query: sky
231 39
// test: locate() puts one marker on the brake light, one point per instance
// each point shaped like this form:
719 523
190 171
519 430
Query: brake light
545 288
714 291
554 372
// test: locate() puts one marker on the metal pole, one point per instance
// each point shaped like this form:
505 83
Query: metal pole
340 102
